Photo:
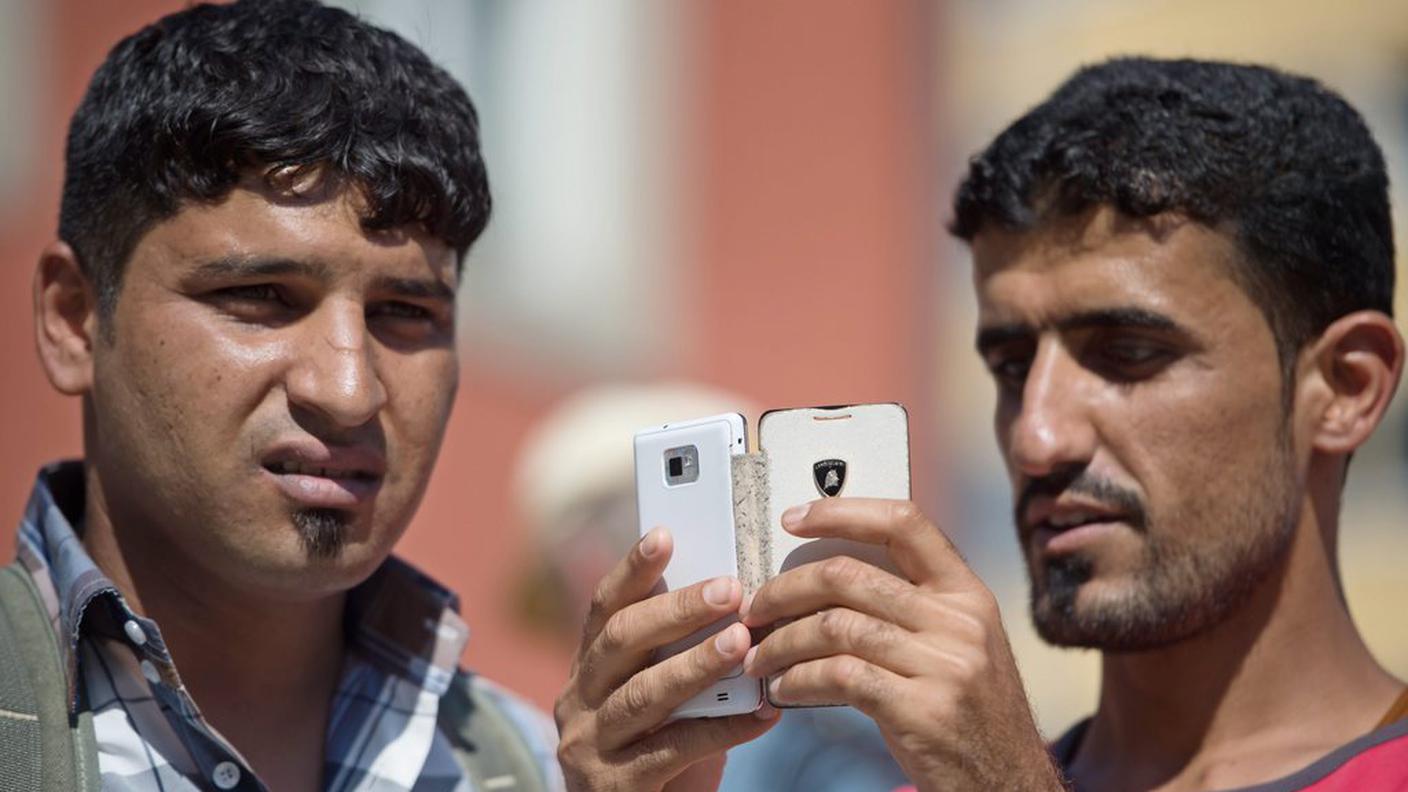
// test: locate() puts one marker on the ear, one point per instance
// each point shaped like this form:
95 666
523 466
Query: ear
65 319
1354 369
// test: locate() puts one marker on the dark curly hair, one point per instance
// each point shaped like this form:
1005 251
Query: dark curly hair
182 109
1283 163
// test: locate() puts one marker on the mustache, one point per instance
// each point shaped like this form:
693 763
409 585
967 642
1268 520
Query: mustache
1079 481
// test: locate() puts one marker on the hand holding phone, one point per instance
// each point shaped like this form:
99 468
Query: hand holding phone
684 482
613 717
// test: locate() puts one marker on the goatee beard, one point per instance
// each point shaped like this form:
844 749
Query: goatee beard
322 532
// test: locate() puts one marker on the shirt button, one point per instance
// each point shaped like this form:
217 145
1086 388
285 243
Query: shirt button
149 671
226 775
134 631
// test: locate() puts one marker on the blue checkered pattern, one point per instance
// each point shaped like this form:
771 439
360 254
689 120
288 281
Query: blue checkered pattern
382 732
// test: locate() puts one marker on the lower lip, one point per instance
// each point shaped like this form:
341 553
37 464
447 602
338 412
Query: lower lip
1060 542
323 492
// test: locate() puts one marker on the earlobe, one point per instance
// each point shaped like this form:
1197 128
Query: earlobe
1358 361
65 319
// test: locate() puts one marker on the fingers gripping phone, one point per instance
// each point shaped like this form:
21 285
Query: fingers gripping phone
832 452
684 482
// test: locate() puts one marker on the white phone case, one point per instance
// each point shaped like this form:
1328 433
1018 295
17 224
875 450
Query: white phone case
859 451
700 517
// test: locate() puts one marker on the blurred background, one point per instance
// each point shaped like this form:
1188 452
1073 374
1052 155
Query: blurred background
746 197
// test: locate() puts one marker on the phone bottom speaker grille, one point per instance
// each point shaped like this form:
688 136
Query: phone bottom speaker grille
722 696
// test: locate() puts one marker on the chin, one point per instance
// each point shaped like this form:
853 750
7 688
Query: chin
287 570
1116 616
301 579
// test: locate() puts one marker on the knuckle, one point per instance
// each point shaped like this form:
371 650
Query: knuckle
970 628
835 624
844 672
664 751
703 660
967 667
564 754
906 514
685 606
985 602
839 571
875 637
562 710
631 700
572 749
601 599
615 634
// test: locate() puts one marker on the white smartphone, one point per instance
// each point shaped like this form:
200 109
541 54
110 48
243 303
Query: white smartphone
859 451
684 482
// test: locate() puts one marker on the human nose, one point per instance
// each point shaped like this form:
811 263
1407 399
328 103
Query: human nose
1052 428
336 374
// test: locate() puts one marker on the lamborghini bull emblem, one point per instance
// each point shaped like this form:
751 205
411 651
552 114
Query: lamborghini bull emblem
830 476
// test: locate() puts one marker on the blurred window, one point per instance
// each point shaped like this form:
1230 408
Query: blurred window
19 23
575 103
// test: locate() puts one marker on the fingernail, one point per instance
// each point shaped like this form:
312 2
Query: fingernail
774 686
766 712
726 642
650 544
743 609
794 515
748 660
718 591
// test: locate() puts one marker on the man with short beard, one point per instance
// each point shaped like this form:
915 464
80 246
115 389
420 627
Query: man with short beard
1184 274
265 209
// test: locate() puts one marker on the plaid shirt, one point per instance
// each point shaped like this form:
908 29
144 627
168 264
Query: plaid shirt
404 641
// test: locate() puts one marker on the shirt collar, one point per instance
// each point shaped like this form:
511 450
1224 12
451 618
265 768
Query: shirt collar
402 620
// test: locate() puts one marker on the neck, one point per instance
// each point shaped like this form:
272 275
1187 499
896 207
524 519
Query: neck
1232 706
232 648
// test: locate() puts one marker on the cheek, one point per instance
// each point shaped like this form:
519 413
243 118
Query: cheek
420 394
187 383
1204 444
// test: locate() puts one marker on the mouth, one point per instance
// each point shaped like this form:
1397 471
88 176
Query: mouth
1056 529
289 468
316 476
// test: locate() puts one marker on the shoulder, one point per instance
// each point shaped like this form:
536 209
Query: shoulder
534 724
1378 760
503 729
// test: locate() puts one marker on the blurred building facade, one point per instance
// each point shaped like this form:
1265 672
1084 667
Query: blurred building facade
749 195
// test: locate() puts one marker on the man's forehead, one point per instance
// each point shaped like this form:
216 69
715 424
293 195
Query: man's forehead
1099 230
1101 261
321 229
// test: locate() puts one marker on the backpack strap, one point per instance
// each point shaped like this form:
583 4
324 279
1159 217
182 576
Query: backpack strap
486 740
41 746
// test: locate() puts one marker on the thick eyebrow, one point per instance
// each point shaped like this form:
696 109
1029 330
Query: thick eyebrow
415 288
237 266
1126 317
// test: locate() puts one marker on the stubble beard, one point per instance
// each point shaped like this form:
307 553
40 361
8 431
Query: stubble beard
1179 588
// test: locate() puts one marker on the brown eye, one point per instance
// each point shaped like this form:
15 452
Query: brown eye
1009 371
1129 360
401 310
256 292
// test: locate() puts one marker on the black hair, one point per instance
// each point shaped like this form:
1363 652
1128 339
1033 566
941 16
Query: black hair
181 110
1282 163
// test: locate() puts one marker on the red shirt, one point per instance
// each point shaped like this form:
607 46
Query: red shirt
1377 761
